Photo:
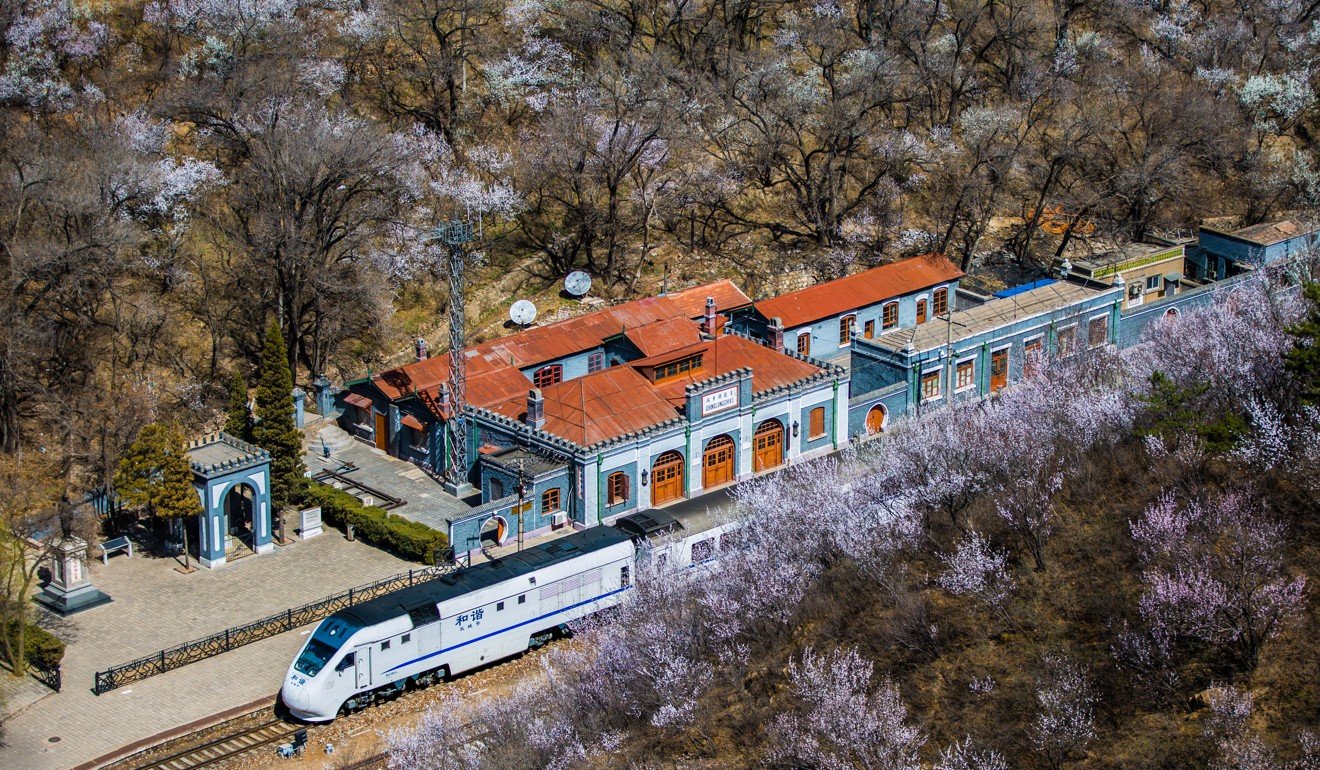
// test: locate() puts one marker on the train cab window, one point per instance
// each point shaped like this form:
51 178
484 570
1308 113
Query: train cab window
385 645
625 577
406 638
522 599
346 663
499 606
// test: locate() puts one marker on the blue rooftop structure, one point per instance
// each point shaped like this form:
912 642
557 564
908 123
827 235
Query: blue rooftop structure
1015 290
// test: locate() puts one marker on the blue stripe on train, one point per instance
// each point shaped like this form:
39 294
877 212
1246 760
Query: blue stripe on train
510 628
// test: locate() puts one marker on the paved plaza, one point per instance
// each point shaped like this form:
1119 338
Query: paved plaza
154 607
425 500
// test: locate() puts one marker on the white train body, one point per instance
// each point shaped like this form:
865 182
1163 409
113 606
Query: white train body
680 541
458 622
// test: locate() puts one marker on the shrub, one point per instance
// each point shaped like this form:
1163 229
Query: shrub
40 647
409 539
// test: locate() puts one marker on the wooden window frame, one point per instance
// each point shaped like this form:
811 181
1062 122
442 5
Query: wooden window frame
812 419
1028 367
970 364
932 376
1065 332
1090 331
1005 350
804 343
845 329
887 320
595 362
679 368
551 495
551 374
616 486
940 301
923 317
868 330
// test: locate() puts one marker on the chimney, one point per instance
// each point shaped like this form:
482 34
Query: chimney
535 408
422 353
708 324
445 403
776 332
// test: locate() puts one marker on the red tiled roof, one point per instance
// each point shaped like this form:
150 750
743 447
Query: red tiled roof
412 422
693 300
493 366
866 288
662 336
724 354
600 406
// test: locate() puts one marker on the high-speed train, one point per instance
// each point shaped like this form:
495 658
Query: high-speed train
419 635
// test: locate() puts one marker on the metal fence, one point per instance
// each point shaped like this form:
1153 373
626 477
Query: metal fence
49 676
232 638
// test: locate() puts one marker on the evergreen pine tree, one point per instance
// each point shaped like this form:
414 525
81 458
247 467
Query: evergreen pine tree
1304 358
155 474
275 430
238 417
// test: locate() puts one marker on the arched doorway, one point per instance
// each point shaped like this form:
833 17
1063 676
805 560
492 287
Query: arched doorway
717 465
493 531
240 509
667 478
875 420
768 446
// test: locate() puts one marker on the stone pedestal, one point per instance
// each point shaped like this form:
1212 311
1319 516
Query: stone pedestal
311 522
69 590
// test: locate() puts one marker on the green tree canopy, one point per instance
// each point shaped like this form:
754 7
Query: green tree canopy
275 430
1303 361
155 474
238 417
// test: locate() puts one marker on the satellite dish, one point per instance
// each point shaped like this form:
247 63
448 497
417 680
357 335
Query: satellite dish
522 312
577 283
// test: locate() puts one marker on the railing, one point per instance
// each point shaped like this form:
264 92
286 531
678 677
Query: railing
232 638
49 676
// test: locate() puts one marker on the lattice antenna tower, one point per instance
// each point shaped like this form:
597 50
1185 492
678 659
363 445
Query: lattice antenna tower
456 234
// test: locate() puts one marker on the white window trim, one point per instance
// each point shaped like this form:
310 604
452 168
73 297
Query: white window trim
921 386
960 362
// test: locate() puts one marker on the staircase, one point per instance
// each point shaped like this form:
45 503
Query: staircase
332 436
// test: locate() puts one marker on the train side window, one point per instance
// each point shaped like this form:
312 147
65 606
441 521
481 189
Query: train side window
499 606
662 561
346 663
406 638
703 550
522 599
385 645
532 580
625 577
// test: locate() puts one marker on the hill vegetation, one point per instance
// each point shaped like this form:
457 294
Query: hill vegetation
1061 576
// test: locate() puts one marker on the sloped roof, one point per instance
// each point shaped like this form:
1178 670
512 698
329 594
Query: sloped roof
662 336
855 291
727 297
1270 233
495 363
600 406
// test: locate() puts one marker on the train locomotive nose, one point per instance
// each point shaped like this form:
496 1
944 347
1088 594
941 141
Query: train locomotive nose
296 698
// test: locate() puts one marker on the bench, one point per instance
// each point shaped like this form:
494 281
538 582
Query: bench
118 544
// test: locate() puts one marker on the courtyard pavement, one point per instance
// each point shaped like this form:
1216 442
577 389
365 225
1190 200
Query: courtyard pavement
154 607
425 500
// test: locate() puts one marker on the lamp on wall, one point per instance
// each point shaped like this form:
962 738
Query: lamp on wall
795 429
646 476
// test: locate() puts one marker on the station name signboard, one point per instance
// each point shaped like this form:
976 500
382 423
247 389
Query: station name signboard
719 400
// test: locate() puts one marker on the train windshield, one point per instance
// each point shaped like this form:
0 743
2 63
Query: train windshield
327 640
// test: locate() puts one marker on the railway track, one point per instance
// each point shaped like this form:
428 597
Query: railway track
225 747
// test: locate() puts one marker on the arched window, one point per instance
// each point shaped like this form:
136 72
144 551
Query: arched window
890 319
921 311
845 329
548 375
804 343
941 301
616 488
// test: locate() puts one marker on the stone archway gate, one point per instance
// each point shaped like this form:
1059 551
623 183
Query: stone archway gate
220 463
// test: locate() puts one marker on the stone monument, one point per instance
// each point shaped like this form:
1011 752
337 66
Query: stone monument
69 589
311 522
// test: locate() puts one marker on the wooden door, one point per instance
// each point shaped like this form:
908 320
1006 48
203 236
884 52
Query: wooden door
998 369
921 311
382 435
768 446
875 420
667 478
717 462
